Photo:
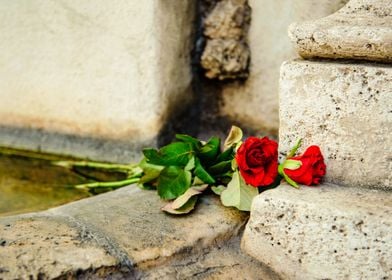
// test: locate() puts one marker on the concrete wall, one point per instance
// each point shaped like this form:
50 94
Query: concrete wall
87 77
255 103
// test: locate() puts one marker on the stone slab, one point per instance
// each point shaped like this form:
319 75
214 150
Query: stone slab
105 74
326 232
254 102
45 248
360 30
345 108
132 219
124 234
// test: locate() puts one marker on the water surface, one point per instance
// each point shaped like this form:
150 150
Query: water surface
30 184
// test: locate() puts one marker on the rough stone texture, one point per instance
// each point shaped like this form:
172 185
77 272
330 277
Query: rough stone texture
124 235
226 54
254 103
221 262
360 30
225 59
344 108
325 232
99 73
132 219
42 248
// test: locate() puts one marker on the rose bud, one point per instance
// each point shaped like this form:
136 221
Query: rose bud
312 169
257 160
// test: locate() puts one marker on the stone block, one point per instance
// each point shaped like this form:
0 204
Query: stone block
132 219
254 102
325 232
125 234
92 78
344 108
44 248
360 30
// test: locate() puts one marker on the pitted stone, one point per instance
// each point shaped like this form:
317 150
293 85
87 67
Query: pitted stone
344 108
44 248
360 30
324 232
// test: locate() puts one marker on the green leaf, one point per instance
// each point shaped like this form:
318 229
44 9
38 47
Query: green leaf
294 149
218 190
191 164
287 178
173 182
235 136
189 139
150 171
201 173
220 168
183 199
185 209
226 155
210 150
292 164
238 194
178 153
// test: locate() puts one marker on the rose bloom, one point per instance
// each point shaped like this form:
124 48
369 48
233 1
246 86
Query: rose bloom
312 169
257 160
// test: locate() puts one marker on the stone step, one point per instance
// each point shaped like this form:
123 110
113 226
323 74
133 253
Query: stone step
345 108
124 234
360 30
325 232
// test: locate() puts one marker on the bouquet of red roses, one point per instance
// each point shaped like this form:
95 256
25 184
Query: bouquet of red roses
188 167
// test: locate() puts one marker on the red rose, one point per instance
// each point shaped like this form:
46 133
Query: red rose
312 169
257 160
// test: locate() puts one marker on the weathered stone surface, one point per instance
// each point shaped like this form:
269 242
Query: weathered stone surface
254 103
229 19
221 262
43 248
360 30
225 59
124 233
226 54
344 108
92 78
132 219
326 232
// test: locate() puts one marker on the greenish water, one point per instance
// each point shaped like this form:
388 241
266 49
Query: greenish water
30 184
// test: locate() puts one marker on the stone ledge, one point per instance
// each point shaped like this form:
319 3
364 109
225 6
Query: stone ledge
47 248
121 232
360 30
326 232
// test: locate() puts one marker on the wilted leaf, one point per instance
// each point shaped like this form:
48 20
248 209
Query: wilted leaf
218 190
190 165
238 194
183 199
173 182
185 209
235 136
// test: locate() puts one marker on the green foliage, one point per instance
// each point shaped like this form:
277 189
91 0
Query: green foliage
173 181
238 194
177 154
